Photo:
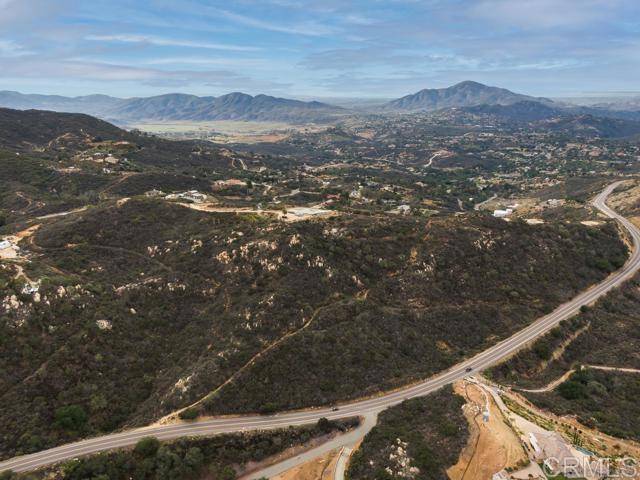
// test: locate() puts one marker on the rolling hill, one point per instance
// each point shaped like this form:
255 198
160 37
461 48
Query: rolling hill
26 130
592 126
524 111
584 122
60 135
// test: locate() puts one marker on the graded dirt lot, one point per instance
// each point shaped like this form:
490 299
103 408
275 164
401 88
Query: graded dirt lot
321 468
8 253
493 446
12 252
294 214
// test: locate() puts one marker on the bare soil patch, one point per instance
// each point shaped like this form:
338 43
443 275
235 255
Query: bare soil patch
493 445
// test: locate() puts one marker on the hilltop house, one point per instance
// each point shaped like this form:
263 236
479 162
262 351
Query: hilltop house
560 458
190 196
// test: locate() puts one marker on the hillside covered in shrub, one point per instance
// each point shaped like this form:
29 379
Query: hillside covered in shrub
607 334
144 307
604 400
420 439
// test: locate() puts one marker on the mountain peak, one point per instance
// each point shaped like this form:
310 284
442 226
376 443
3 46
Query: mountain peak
234 95
469 84
464 94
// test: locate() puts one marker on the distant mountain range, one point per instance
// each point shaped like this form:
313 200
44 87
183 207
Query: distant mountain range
177 106
463 94
240 106
622 104
475 97
89 104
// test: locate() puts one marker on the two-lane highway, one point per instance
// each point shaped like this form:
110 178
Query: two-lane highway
477 363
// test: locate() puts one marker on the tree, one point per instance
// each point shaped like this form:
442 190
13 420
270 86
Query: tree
71 418
98 403
268 408
194 458
147 447
227 473
542 350
325 425
572 390
189 414
169 465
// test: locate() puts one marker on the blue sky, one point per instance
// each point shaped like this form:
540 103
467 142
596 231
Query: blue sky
298 48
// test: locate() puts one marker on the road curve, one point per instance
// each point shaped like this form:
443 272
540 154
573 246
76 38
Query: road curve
477 363
351 439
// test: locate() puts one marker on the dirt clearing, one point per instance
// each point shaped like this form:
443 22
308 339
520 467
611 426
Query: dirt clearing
493 445
294 214
318 469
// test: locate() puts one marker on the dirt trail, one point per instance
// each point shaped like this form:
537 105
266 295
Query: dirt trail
62 214
559 351
492 446
121 179
614 369
551 385
26 233
174 416
564 377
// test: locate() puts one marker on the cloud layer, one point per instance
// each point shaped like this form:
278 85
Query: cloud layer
318 47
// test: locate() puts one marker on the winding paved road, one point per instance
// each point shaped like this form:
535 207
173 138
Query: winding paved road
366 407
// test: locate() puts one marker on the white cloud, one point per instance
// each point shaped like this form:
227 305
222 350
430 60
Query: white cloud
9 48
304 28
53 68
359 20
169 42
545 13
16 13
307 28
210 61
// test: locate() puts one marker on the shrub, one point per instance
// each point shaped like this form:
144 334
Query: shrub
189 414
268 408
147 447
71 418
572 390
325 425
